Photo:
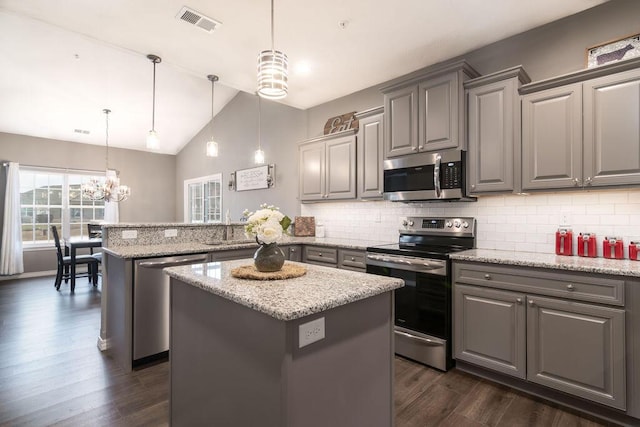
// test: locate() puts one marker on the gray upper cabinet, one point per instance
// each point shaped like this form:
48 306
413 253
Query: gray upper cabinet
612 129
401 121
425 111
370 153
582 129
494 131
327 167
552 138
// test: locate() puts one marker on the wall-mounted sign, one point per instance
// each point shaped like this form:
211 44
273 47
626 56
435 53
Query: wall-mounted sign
253 179
341 123
617 50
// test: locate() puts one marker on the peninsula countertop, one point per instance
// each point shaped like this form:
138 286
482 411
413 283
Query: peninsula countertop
164 249
320 289
622 267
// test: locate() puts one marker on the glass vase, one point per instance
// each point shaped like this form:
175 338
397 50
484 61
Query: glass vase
268 257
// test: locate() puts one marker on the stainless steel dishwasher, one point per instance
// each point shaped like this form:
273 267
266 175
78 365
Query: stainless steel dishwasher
151 305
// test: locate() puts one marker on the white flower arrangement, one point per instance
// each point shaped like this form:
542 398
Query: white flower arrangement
267 224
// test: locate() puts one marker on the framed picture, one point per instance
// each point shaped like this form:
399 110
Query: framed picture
617 50
253 179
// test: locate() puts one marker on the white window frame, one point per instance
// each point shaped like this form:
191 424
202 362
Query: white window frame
65 223
187 203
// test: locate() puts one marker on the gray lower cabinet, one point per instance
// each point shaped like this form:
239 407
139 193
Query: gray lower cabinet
320 255
584 133
490 329
327 168
233 254
542 327
351 259
494 131
370 154
292 253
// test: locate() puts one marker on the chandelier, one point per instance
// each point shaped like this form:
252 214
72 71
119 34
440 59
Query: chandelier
109 188
272 71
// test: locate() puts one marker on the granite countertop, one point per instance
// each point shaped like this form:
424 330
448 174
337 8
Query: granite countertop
320 289
146 251
622 267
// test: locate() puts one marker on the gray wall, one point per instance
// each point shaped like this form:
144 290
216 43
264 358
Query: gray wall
146 173
236 130
551 50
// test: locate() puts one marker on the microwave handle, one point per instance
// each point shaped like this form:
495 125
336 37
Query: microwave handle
436 175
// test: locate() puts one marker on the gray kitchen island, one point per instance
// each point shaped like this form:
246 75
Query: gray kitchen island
316 350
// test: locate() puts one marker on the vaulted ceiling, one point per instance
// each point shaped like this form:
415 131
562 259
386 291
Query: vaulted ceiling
64 61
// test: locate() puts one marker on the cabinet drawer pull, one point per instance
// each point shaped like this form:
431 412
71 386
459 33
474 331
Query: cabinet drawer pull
293 249
487 276
319 253
519 301
570 287
353 258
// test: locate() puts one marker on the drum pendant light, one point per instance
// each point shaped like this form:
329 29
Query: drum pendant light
272 71
212 145
153 143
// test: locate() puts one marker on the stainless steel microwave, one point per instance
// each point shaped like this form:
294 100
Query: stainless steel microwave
432 176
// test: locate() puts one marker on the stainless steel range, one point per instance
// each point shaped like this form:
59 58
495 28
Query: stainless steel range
423 305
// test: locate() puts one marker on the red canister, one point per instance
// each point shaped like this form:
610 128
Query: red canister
564 241
612 247
634 251
587 245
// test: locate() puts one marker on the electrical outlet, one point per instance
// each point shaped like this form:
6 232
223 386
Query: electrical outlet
172 232
129 234
376 217
310 332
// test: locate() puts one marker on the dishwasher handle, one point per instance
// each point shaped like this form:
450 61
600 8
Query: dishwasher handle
173 263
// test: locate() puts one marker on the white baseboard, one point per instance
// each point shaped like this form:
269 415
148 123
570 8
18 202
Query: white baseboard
29 275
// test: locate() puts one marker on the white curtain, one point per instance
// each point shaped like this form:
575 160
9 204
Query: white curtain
111 212
11 261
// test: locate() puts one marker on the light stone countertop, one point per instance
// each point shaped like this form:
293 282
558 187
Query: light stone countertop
146 251
623 267
320 289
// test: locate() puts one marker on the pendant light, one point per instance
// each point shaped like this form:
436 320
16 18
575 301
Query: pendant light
110 190
212 145
153 143
258 156
272 71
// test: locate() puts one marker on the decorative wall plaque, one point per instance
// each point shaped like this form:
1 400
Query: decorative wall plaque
617 50
253 179
341 123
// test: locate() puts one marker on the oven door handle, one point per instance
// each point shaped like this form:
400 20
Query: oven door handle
425 341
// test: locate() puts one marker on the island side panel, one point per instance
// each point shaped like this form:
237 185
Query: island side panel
119 311
346 379
226 362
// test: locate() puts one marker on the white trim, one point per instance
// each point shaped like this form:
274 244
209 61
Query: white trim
103 344
29 275
201 180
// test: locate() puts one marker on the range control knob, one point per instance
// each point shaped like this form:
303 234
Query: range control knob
410 223
449 224
406 223
465 224
457 224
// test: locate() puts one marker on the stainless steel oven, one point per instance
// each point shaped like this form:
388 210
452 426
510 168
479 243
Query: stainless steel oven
423 306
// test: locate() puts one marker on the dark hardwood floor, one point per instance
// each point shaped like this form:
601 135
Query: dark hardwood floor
52 373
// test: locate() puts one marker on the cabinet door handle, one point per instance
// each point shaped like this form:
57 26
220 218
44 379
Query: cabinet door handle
519 301
414 148
531 302
588 180
487 276
576 182
293 249
570 287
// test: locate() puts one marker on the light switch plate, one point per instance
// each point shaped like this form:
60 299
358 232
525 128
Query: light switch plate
129 234
172 232
310 332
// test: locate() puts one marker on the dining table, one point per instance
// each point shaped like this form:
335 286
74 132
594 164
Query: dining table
72 244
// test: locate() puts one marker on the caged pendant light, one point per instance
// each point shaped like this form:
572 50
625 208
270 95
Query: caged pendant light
258 156
212 145
110 189
272 71
153 143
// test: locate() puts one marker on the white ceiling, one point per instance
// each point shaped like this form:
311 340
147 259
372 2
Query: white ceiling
64 61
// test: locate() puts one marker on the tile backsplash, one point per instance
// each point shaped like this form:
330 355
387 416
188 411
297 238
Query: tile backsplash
510 222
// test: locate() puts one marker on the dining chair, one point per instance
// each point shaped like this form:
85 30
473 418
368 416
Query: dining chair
64 262
94 232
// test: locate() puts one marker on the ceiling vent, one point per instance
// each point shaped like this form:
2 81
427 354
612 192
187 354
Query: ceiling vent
199 20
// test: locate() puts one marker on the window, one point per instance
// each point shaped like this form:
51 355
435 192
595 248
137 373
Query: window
49 197
203 199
